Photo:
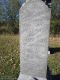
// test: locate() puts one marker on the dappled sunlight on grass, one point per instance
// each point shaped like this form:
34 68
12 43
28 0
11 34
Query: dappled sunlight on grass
54 63
54 41
9 55
54 59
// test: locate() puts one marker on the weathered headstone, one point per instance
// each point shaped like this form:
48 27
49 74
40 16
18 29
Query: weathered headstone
34 33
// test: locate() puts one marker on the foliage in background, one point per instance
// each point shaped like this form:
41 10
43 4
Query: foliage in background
55 10
9 19
55 27
10 22
13 20
55 18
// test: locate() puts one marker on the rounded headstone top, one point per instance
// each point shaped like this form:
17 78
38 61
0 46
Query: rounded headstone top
33 8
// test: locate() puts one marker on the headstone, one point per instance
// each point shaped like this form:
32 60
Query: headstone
34 34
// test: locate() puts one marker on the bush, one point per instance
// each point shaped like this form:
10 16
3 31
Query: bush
9 28
55 27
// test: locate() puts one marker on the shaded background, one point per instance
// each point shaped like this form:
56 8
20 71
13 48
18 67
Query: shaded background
9 16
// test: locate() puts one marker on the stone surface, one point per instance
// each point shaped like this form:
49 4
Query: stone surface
27 77
34 33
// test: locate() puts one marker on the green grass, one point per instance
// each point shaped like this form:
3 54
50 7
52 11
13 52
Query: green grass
54 59
54 63
9 57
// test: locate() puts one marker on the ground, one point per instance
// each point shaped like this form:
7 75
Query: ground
9 57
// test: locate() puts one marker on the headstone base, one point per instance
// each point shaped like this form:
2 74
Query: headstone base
27 77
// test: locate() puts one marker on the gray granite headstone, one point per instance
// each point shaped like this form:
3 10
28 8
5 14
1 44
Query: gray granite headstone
34 34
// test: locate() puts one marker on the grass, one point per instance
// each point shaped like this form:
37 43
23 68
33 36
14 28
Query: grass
54 59
9 57
54 42
54 63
